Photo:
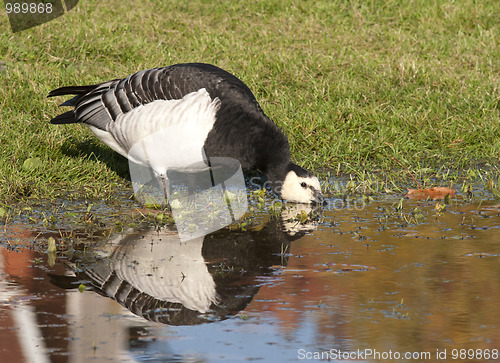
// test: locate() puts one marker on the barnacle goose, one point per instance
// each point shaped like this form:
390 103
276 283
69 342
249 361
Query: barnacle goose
204 107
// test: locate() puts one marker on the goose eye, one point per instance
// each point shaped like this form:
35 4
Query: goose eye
303 185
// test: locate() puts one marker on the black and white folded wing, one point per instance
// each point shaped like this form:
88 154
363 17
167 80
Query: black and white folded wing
163 134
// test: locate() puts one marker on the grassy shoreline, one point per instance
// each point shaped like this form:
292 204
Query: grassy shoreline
352 84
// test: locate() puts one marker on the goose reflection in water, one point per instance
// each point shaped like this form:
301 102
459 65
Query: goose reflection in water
156 276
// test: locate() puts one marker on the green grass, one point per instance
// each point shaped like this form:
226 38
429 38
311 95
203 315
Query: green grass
352 83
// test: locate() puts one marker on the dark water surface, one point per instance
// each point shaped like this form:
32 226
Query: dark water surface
359 281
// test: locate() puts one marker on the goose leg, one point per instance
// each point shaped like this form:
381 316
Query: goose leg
165 185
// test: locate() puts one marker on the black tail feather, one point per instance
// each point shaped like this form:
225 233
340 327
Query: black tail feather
72 90
79 91
65 118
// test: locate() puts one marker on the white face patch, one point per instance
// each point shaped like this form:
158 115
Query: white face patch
301 190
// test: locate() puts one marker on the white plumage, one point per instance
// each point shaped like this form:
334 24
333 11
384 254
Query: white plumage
164 134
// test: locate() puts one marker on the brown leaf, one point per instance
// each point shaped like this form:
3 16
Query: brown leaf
430 193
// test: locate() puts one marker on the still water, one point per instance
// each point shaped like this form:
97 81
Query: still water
374 280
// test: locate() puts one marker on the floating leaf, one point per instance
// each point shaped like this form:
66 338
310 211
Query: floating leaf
243 225
440 207
175 204
32 163
436 193
400 205
228 196
302 217
51 245
51 251
259 192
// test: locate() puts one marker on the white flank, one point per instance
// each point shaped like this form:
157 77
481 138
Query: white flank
164 134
